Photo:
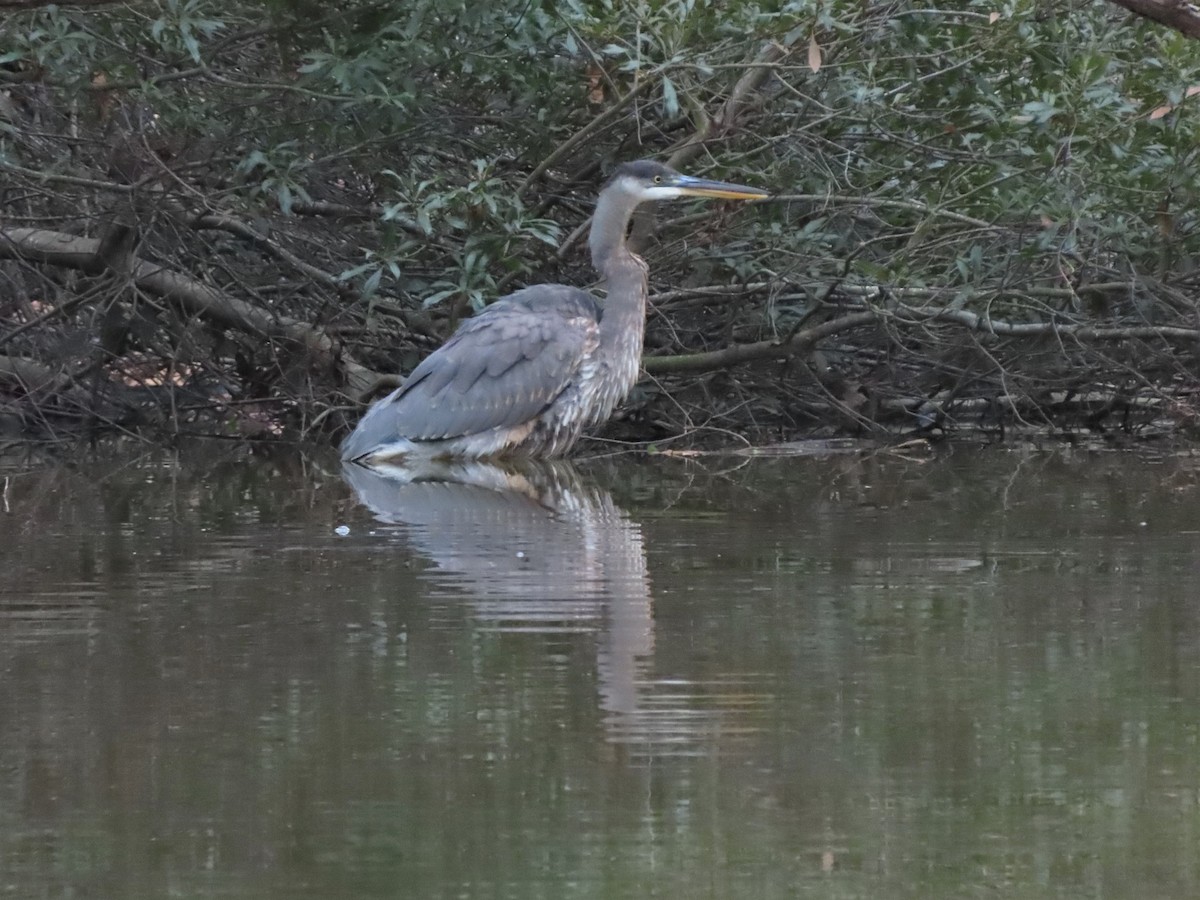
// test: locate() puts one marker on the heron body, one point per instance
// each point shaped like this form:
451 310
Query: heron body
528 374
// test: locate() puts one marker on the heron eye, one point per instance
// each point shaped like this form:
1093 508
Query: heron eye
658 179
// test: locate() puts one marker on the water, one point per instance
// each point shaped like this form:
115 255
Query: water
972 676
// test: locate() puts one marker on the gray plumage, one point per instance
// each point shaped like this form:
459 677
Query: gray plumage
536 339
530 372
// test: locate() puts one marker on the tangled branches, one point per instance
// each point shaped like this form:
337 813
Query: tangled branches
222 225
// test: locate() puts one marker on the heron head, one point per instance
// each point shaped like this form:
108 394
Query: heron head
649 180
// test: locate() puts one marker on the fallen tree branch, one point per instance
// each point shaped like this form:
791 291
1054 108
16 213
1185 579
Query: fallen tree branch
762 350
192 296
222 222
804 339
1001 328
197 298
32 376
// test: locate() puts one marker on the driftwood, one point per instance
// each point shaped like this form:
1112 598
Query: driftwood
192 296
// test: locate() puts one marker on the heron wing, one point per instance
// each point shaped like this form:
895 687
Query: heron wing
501 368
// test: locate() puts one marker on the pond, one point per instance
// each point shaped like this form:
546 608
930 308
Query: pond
971 675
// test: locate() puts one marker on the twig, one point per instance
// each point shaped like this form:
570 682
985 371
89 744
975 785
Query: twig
227 223
752 79
61 310
584 134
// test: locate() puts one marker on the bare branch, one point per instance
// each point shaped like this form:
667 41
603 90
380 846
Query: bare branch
229 224
1181 15
803 340
31 376
584 134
1079 332
195 297
763 350
757 72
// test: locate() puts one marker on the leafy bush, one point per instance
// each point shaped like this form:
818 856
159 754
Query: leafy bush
1028 160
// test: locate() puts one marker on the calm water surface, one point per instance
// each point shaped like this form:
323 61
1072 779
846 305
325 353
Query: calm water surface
973 676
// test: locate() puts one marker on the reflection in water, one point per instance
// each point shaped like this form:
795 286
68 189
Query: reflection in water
537 550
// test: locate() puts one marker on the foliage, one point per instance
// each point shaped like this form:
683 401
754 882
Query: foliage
1001 156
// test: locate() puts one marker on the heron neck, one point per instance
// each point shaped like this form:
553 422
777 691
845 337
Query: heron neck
623 324
625 289
624 272
609 225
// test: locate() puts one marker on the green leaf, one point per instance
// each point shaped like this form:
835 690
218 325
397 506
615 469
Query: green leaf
192 45
670 98
434 299
284 193
371 285
353 273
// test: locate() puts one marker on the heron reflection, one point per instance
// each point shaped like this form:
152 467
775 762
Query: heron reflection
537 549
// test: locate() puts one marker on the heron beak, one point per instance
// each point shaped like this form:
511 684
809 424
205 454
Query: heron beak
703 187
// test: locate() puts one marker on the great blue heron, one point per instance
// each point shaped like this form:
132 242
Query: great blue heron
529 373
